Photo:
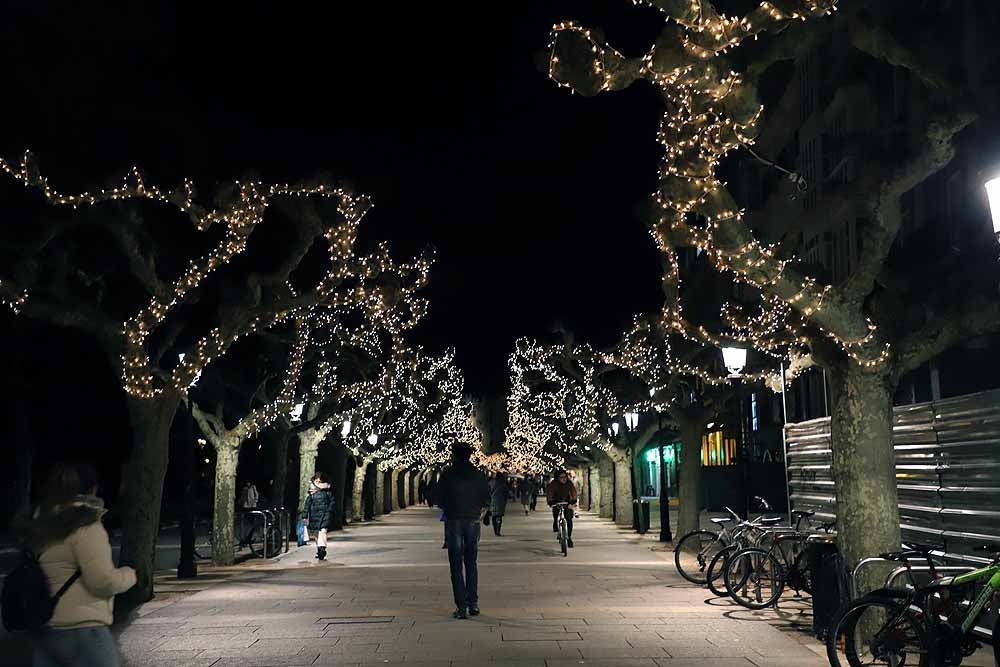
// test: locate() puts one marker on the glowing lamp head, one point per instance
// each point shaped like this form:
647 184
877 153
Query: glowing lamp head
993 193
614 428
345 430
631 420
296 413
735 359
373 439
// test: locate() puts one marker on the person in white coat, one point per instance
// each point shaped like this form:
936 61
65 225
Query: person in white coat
66 532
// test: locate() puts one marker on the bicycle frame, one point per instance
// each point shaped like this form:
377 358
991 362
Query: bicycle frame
992 574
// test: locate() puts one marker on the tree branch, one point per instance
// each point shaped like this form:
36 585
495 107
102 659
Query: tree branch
976 317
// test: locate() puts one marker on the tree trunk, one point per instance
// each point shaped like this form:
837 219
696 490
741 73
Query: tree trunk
623 488
379 492
595 489
607 487
583 473
689 479
864 466
150 421
227 456
357 497
308 449
280 475
394 486
338 480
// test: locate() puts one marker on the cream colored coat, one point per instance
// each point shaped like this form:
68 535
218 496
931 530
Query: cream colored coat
90 600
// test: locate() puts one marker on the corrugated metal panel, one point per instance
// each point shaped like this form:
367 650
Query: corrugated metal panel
947 471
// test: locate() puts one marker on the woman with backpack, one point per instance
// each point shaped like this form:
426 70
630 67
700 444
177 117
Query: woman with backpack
318 511
65 533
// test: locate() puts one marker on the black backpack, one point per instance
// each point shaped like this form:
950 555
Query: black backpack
26 602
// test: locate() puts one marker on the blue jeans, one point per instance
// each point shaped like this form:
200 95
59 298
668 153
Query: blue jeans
462 537
79 647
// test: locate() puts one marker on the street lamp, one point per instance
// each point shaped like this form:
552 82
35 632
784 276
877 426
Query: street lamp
373 439
735 359
296 413
993 194
345 429
613 429
631 420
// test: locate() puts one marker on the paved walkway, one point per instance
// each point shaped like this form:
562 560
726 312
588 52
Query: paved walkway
384 597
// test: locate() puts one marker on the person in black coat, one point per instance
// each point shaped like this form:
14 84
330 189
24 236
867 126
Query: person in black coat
318 511
463 493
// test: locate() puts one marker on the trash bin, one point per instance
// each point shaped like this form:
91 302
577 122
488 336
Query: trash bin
644 517
828 581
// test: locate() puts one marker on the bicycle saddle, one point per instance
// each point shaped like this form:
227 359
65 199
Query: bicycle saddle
721 520
770 520
921 550
802 513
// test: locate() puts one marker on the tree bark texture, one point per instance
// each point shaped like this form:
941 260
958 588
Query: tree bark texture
227 457
689 480
379 492
150 420
607 487
623 488
278 491
394 485
595 489
338 482
583 474
864 466
308 450
357 494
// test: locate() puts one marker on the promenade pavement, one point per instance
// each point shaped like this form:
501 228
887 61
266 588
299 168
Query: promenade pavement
384 597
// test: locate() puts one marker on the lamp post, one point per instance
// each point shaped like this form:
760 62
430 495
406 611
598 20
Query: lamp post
993 194
665 533
631 422
735 360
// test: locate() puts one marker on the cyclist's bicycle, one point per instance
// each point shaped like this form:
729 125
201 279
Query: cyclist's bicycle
562 528
695 550
926 625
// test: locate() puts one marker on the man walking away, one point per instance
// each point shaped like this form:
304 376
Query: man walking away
463 493
562 490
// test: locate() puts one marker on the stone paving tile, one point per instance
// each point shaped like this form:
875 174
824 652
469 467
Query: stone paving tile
613 602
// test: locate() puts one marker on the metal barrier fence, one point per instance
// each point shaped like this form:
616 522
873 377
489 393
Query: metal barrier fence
947 472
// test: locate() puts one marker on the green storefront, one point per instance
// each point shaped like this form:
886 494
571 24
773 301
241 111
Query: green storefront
648 469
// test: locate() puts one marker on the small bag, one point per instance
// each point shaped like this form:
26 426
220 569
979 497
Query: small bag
27 603
487 518
302 532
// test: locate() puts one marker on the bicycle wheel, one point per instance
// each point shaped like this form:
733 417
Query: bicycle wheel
755 578
876 630
563 538
800 576
274 542
715 574
693 553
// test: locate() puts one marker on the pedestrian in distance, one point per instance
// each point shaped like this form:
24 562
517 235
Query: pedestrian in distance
318 512
499 494
536 486
65 532
562 490
463 494
526 494
249 497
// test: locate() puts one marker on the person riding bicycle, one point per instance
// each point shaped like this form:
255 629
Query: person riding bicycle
562 490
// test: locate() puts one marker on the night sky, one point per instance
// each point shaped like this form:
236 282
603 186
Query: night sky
440 112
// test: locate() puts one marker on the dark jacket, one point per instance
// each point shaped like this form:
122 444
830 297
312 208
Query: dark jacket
560 493
462 492
499 493
319 509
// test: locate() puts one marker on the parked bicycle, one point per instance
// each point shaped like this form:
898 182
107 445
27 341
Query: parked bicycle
746 534
262 543
927 625
695 550
757 576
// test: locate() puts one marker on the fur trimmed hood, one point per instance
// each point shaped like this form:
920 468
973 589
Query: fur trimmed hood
39 527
